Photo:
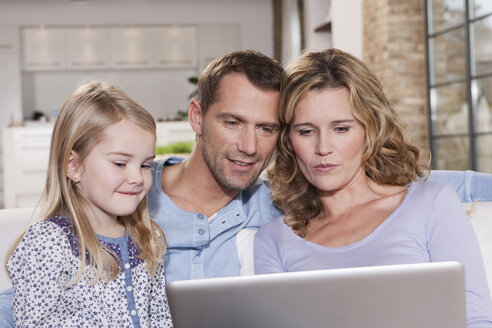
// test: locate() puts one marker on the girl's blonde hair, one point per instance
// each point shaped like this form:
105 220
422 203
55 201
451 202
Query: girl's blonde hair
79 126
387 157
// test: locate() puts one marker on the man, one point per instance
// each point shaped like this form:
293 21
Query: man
203 202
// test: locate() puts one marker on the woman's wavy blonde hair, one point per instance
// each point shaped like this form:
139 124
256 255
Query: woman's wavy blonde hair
80 125
387 157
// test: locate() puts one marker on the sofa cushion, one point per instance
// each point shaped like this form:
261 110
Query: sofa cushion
480 214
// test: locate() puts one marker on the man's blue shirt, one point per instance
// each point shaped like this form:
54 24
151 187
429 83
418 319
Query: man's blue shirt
197 247
470 186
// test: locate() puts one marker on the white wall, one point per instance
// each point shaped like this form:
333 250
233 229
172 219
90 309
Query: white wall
346 18
316 13
162 92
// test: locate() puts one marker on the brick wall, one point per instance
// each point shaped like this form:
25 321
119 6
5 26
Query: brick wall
394 48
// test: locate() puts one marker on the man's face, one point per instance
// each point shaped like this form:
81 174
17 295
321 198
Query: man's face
239 132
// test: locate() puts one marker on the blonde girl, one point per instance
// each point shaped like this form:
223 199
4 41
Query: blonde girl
94 258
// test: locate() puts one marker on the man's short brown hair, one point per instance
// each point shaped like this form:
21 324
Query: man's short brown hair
262 71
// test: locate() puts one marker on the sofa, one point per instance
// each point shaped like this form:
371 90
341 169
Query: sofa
14 221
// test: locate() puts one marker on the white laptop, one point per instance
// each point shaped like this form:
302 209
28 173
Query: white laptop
428 295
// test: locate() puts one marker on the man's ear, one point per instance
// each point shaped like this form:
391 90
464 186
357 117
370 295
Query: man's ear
195 116
74 167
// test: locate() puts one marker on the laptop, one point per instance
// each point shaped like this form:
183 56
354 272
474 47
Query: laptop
427 295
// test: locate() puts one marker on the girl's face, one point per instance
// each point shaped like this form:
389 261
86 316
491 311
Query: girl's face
115 175
327 139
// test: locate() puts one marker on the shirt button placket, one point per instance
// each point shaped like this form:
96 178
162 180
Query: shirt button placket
201 226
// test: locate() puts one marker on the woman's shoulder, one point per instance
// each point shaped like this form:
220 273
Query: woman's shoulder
432 196
273 224
274 229
426 189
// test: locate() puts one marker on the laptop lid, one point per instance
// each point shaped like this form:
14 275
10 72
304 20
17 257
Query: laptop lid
405 296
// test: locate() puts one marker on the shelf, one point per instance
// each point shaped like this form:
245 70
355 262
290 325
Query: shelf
325 27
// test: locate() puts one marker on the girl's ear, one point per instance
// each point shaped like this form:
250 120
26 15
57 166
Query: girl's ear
74 167
195 116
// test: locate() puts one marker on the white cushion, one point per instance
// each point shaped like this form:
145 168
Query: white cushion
481 219
244 245
13 222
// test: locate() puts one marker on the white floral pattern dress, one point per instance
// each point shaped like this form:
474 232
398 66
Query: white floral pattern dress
48 257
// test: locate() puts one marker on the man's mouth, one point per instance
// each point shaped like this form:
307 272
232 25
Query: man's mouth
241 163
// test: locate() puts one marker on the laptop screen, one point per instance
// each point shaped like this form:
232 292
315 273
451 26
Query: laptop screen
405 296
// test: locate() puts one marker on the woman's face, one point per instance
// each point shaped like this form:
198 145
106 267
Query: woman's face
327 139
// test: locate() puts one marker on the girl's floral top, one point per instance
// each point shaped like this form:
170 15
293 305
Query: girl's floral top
48 257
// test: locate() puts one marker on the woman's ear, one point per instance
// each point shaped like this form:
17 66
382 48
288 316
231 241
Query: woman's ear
195 116
74 167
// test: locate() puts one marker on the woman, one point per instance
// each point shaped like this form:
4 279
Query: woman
345 178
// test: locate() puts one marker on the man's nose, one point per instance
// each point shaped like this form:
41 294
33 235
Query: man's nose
248 141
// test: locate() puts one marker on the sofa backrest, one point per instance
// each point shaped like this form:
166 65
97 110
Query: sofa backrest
13 222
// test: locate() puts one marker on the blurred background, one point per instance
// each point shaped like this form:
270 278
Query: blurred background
434 58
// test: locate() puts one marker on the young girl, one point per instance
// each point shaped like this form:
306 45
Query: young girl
94 258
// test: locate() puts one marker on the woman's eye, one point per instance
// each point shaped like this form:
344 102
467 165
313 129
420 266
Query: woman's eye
306 132
146 166
341 129
119 164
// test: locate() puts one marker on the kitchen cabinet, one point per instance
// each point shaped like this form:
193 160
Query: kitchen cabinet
124 47
25 161
43 48
175 46
8 41
131 47
87 47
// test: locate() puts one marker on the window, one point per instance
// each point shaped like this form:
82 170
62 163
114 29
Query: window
459 82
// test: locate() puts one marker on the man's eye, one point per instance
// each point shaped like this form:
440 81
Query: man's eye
266 130
231 123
